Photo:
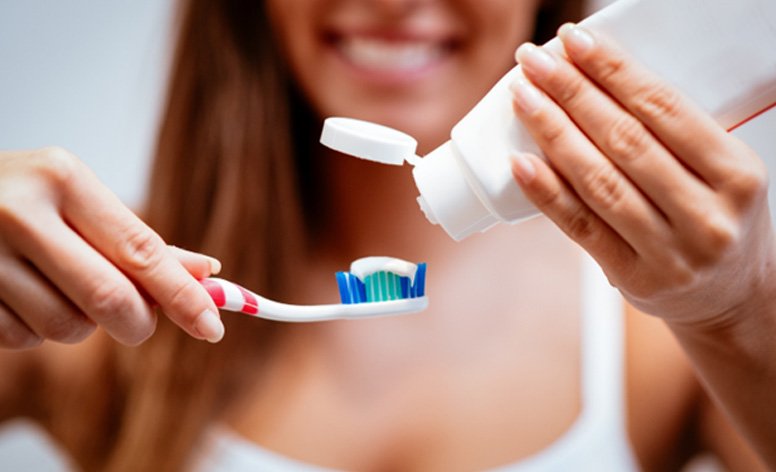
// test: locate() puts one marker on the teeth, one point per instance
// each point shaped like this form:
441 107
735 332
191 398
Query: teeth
390 56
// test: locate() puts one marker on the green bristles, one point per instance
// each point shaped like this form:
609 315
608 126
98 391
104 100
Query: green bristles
383 286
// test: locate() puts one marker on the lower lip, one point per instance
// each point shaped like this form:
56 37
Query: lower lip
388 77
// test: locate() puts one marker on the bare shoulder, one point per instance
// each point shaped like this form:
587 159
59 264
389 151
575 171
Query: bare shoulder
34 380
73 374
70 364
61 380
78 395
20 373
663 393
670 416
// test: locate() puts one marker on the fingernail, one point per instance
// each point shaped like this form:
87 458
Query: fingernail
535 59
527 97
215 265
523 168
576 37
209 326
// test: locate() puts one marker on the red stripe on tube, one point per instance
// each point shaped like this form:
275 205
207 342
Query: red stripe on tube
747 120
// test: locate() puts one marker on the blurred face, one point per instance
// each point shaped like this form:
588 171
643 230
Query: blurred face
415 65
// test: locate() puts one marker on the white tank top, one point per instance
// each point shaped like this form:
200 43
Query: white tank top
596 441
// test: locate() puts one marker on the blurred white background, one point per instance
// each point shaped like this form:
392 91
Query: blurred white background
89 76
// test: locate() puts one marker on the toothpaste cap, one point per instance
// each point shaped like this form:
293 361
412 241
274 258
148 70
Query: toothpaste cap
447 198
369 141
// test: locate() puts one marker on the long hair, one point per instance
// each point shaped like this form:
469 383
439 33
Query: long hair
224 183
552 14
230 179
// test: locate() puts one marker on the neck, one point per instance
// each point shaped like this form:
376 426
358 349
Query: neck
375 212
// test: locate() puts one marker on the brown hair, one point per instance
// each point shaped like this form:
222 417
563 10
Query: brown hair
227 181
552 14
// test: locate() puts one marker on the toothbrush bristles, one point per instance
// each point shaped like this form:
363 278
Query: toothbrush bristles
381 286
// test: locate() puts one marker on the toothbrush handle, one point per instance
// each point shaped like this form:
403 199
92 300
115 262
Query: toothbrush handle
230 296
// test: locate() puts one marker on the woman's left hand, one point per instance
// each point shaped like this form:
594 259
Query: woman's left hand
671 205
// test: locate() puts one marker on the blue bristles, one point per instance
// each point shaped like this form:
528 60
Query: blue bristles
419 288
352 290
381 286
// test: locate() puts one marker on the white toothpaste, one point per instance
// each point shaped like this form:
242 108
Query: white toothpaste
363 267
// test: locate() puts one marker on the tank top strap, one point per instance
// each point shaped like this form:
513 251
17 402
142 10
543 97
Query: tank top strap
602 347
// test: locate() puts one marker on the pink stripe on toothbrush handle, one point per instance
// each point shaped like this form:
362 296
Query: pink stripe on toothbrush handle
230 296
215 291
251 305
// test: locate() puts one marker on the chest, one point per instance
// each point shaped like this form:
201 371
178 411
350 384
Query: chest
489 375
447 406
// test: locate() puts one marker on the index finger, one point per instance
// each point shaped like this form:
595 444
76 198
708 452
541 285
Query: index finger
678 122
124 239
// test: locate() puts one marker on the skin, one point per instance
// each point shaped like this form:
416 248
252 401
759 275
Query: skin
490 374
73 256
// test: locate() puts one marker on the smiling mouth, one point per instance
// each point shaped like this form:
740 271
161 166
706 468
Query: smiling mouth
391 55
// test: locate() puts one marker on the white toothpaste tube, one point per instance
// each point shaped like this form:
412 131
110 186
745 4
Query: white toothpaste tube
720 53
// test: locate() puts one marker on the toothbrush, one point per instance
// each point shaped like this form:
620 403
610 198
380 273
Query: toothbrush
375 286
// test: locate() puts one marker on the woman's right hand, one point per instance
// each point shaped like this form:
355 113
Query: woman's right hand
72 256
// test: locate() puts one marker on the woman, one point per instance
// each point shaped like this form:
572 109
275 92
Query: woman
496 375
